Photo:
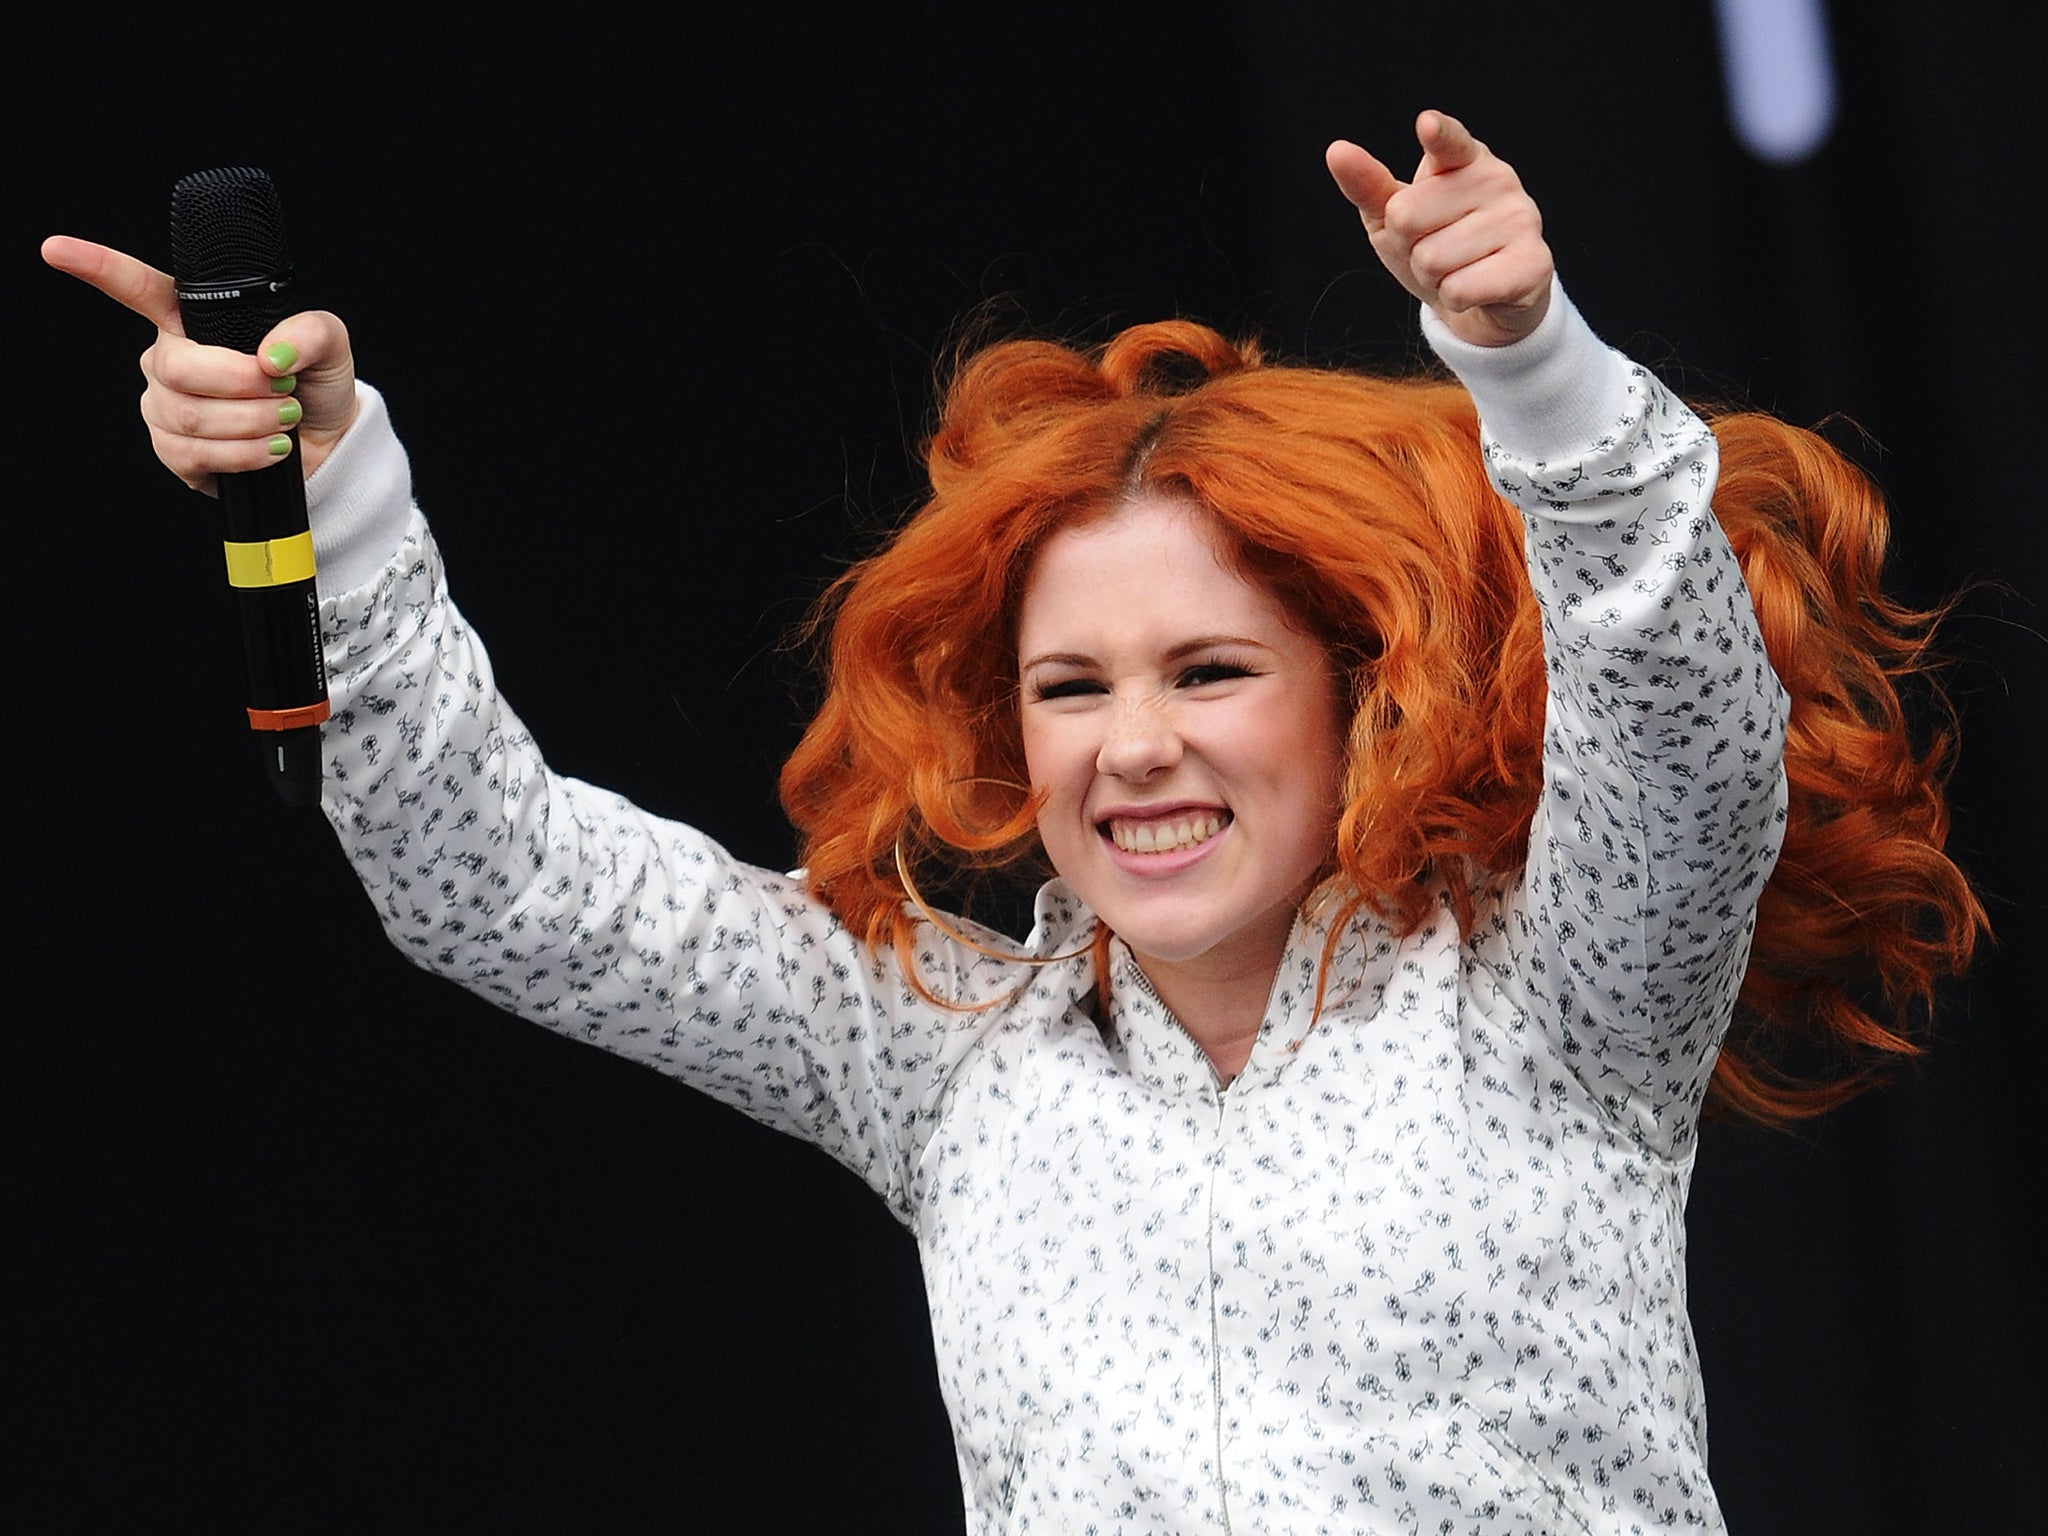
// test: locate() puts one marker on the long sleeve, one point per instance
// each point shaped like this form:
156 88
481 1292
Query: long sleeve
566 904
1663 791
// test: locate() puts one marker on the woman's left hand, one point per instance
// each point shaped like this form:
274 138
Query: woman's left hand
1463 236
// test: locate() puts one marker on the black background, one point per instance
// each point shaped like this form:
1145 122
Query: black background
297 1239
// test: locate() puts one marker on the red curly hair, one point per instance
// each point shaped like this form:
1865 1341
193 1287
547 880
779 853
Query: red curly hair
1363 503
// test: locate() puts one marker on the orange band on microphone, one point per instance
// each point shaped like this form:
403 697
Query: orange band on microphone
270 562
289 719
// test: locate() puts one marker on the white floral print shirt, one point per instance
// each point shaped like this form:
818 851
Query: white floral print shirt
1421 1265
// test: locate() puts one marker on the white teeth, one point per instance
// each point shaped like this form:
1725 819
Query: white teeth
1164 836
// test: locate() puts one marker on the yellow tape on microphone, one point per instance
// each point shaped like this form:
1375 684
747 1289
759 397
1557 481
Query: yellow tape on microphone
270 562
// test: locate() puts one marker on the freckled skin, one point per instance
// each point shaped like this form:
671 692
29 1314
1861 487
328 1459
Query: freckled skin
1155 678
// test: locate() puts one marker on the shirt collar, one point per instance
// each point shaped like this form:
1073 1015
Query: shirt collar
1164 1056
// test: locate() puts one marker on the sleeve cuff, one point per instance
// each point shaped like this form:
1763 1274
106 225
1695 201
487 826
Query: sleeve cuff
360 499
1548 396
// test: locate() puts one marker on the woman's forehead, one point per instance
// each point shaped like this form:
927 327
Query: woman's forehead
1154 566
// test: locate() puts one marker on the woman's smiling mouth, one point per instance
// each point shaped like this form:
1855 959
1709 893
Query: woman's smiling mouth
1164 834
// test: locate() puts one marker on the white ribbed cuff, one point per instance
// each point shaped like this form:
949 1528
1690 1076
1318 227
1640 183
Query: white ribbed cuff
360 499
1548 396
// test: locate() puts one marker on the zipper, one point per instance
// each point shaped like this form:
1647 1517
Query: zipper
1144 983
1215 1317
1222 1083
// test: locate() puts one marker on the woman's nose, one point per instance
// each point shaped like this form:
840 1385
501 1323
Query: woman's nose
1140 741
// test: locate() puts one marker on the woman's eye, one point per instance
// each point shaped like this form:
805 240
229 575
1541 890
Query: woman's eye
1067 688
1212 672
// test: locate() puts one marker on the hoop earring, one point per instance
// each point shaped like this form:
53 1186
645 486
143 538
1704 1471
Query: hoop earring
984 778
929 915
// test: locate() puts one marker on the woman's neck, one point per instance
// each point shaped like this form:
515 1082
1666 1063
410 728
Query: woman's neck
1220 1004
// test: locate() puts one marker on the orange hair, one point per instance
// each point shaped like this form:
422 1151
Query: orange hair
1363 503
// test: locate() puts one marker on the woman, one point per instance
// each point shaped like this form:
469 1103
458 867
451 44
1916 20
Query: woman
1319 1161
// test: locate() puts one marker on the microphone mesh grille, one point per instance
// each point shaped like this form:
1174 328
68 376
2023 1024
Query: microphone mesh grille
227 227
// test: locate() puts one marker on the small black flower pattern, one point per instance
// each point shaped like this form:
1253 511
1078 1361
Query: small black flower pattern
1418 1268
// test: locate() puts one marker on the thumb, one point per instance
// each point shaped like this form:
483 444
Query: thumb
1364 181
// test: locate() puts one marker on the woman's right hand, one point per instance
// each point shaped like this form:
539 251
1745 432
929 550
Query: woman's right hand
211 410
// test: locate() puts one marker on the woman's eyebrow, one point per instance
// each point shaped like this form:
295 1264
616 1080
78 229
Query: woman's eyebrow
1056 659
1179 651
1214 643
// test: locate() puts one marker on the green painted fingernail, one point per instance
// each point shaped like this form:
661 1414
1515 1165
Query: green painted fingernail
289 413
279 446
285 385
282 355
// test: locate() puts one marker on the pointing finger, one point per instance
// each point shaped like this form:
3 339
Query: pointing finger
128 282
1446 143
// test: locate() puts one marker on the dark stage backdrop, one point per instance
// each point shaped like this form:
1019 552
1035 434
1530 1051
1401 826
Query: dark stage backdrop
297 1239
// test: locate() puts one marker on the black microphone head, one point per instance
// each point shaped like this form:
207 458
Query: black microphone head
229 258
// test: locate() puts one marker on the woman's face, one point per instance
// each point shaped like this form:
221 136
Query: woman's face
1186 735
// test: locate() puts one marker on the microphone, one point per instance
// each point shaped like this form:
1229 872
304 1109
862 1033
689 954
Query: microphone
233 273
